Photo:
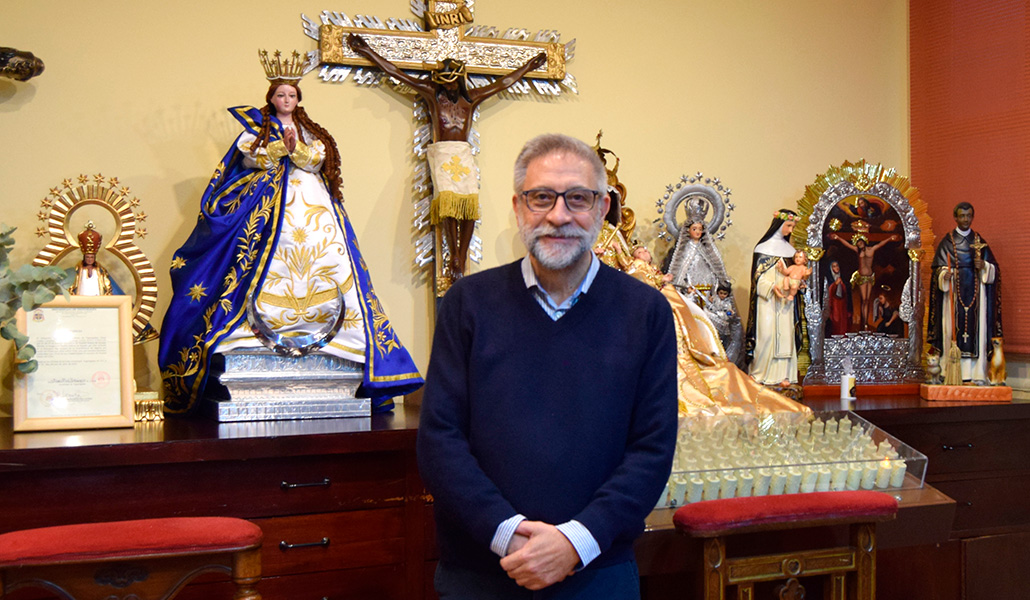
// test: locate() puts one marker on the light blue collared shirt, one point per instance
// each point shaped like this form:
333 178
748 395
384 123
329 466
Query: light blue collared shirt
580 537
544 299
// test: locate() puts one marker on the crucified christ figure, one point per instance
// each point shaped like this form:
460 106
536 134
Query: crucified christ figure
864 278
451 103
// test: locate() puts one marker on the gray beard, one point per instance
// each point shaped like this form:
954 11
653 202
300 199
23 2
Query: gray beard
556 259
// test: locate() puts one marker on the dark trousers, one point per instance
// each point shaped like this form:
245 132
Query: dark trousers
617 582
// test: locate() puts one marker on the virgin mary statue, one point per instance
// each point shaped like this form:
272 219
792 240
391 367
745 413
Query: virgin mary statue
272 230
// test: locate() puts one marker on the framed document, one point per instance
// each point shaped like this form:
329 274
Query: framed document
84 380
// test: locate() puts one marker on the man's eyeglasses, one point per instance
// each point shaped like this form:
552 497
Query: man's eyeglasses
577 200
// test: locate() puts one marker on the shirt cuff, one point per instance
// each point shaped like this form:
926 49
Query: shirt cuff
502 537
582 540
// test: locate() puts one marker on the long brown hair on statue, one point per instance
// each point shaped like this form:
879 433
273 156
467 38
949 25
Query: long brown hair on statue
331 164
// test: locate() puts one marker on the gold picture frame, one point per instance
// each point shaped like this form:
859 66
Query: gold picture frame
84 380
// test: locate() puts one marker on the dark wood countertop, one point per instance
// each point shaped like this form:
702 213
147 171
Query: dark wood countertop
180 439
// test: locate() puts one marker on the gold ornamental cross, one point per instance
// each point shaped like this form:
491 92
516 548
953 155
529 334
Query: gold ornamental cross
448 35
456 169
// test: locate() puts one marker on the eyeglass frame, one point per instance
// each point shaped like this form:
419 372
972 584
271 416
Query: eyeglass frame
557 194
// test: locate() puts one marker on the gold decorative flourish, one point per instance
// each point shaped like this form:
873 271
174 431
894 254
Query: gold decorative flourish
178 262
197 292
141 216
423 50
915 254
815 253
41 232
141 232
385 339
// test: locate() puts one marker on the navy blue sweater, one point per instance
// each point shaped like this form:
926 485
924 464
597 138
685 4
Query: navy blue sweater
556 420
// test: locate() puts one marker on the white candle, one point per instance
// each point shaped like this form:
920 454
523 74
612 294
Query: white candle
679 490
831 428
711 490
898 473
854 476
695 489
883 473
745 484
847 387
818 427
728 489
777 483
869 475
823 483
793 480
762 482
809 479
839 479
663 500
845 425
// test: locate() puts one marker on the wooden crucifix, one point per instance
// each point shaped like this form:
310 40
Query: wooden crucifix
449 53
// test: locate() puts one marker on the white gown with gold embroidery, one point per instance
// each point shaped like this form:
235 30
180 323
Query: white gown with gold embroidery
310 260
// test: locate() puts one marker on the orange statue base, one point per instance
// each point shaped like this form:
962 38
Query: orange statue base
965 393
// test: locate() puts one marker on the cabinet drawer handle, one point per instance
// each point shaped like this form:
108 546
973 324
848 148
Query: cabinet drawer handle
289 486
947 447
284 545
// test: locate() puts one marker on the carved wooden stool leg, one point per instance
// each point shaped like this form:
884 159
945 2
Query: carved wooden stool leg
746 591
715 569
863 540
246 573
835 587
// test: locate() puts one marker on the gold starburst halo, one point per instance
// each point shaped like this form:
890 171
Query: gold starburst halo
57 210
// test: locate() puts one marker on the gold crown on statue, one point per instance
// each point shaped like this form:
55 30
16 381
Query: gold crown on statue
291 69
90 239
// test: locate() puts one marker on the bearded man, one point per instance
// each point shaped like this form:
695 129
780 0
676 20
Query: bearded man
549 414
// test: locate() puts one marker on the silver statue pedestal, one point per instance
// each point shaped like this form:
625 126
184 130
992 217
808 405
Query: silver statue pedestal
264 386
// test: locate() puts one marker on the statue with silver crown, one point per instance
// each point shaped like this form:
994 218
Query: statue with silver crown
271 287
696 268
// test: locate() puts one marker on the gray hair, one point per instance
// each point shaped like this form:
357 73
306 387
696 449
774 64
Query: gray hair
556 143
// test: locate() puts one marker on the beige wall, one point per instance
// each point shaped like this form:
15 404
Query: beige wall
764 95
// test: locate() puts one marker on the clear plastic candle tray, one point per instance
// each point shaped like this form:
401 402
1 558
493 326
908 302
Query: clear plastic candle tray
740 455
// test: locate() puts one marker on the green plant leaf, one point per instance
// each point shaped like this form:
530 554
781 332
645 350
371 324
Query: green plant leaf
26 353
9 331
28 300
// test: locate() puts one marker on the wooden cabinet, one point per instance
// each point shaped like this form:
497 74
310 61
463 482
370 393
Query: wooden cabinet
345 515
340 502
979 455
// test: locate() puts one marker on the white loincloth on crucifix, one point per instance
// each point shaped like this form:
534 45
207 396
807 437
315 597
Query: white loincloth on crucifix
455 182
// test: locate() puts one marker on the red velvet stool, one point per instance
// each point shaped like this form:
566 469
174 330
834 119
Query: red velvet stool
148 559
850 570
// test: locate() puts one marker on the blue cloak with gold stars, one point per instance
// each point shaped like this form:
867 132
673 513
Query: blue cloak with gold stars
224 263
